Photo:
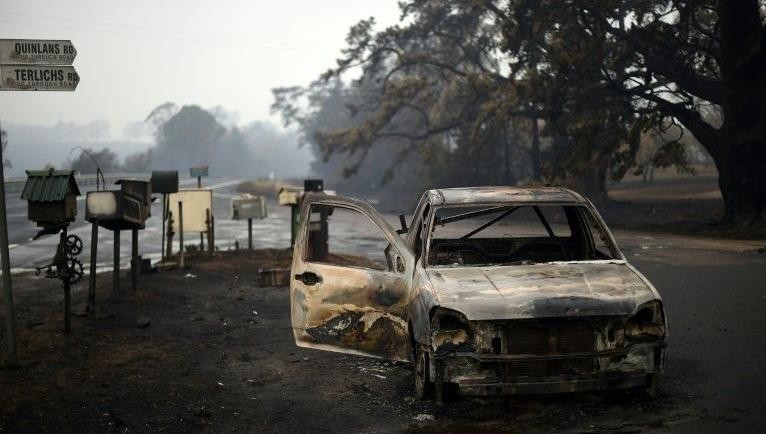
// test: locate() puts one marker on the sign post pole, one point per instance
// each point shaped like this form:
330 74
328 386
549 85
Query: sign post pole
10 318
181 234
250 234
28 65
93 256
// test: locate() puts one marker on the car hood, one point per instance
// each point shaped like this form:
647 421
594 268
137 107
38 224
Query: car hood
542 290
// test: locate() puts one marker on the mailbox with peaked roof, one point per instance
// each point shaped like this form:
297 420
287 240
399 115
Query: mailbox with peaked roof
51 196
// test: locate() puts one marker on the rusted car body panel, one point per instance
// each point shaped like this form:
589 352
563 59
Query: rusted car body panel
541 290
354 310
558 326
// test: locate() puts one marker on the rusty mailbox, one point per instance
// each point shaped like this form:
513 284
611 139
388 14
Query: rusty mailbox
116 210
124 209
51 197
247 207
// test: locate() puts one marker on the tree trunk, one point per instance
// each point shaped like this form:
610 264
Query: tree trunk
741 158
742 177
535 151
592 185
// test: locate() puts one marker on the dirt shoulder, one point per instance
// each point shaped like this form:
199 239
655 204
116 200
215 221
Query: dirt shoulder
218 356
686 205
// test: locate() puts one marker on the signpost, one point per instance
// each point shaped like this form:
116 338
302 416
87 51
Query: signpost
36 52
34 77
28 65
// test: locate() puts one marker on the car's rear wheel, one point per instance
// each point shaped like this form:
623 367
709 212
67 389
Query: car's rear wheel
423 385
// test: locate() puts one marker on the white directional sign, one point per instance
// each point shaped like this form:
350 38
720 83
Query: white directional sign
38 52
33 77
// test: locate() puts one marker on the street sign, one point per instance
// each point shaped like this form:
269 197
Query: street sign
29 64
33 77
38 52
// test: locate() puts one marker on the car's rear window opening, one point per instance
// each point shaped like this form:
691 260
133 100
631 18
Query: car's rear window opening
516 235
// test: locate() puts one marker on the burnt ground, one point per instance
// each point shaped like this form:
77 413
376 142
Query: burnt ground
218 356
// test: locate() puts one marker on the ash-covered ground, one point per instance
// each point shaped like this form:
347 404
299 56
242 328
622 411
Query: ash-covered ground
218 356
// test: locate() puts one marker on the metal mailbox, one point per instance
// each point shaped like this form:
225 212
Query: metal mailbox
247 207
164 181
115 210
139 190
51 196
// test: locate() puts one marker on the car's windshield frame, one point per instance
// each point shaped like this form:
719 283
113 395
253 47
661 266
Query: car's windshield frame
614 249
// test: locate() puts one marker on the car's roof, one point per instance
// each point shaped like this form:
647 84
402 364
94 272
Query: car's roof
502 194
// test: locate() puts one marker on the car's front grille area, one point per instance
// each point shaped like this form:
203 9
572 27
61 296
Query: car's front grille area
554 336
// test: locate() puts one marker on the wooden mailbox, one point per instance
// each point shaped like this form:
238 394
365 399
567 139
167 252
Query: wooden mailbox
51 197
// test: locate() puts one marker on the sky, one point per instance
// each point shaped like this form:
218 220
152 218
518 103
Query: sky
134 55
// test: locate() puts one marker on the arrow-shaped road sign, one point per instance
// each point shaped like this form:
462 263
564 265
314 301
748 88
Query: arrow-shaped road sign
37 52
28 64
33 77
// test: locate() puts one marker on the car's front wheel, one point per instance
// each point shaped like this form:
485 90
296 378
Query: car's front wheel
423 385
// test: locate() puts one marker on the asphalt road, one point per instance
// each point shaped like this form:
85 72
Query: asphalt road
715 298
27 253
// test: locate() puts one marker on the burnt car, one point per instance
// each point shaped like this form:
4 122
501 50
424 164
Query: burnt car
491 290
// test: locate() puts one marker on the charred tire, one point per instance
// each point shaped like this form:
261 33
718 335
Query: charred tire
423 385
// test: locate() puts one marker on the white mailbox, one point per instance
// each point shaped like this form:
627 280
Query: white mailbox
247 207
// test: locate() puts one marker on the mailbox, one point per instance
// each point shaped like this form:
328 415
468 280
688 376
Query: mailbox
164 181
139 190
114 210
123 209
51 196
247 207
289 195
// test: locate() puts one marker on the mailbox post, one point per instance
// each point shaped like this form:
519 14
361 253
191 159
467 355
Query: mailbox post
318 231
116 210
164 182
293 196
248 207
198 172
197 213
51 197
290 196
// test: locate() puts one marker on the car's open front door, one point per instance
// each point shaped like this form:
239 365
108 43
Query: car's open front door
351 297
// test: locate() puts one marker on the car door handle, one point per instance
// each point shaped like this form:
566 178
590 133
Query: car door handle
308 278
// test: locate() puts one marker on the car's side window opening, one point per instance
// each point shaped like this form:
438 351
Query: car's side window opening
352 239
420 221
516 234
602 247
